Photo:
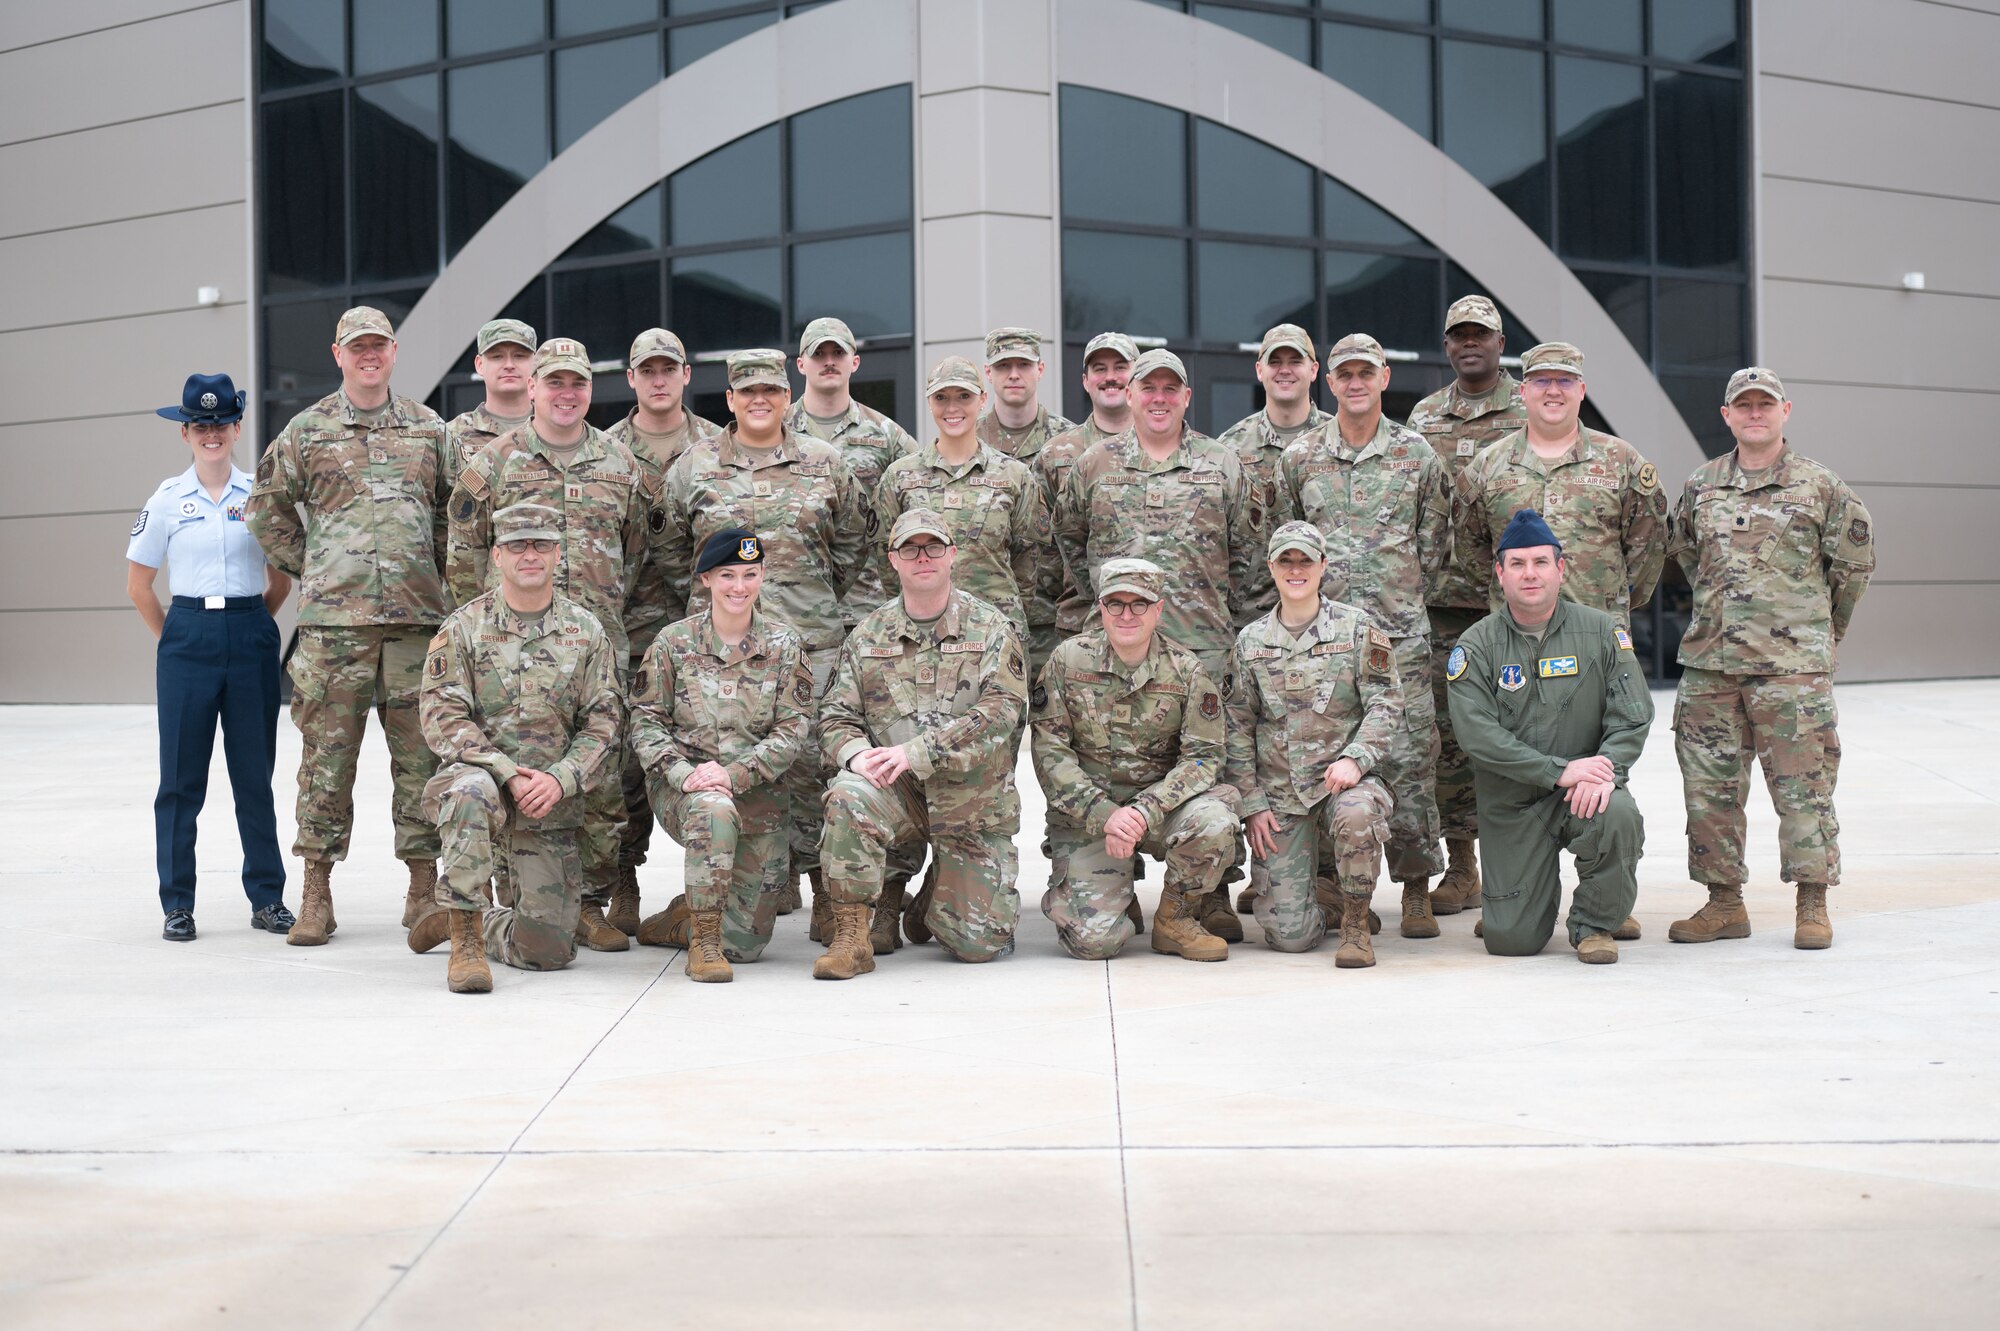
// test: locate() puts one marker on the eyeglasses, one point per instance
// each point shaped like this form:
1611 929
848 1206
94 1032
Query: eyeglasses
522 547
1559 383
910 554
1126 609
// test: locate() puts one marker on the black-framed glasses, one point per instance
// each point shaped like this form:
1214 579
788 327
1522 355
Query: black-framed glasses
910 554
1127 609
523 547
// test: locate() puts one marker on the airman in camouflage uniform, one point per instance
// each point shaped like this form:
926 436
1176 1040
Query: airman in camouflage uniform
721 707
349 501
1316 710
1778 552
1480 406
1287 365
504 361
521 705
1107 376
920 724
1015 424
1128 747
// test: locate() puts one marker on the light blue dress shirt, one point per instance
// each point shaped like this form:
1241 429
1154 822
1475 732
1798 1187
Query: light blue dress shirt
206 545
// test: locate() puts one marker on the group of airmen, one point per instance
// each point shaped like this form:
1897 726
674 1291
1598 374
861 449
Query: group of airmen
810 648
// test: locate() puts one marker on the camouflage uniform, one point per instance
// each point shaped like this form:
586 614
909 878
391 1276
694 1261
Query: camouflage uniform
867 442
1041 591
468 433
748 707
1106 736
954 692
997 519
1259 446
354 509
1301 702
504 691
1072 607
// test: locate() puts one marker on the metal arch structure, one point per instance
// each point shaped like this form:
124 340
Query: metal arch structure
1127 47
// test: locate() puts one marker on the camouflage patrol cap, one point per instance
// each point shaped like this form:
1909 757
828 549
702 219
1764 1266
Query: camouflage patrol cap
1140 577
526 522
655 342
821 331
764 365
1355 346
1013 344
917 522
1553 356
361 321
1286 335
1158 358
493 334
1753 378
953 372
1124 347
1472 310
1301 536
561 353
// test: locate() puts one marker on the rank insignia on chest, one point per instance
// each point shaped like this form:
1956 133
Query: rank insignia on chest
726 689
1454 665
1466 448
572 491
1553 667
761 489
1511 678
926 674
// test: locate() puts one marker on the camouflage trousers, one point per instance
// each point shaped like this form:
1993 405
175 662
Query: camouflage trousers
736 858
1458 808
1090 890
1349 829
538 870
337 675
1787 722
1413 850
974 908
804 782
1519 864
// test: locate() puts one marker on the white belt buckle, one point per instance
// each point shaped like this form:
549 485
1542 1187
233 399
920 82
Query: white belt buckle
215 602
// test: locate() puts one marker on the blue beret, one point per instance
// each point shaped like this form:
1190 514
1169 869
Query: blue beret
731 545
1525 531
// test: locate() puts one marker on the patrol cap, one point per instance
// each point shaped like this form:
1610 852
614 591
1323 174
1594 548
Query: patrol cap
762 365
1554 356
493 334
1124 347
210 398
1286 335
731 545
1356 346
526 522
1295 535
1472 310
1140 577
1753 378
361 321
561 353
821 331
1525 531
655 342
953 372
917 522
1013 344
1159 358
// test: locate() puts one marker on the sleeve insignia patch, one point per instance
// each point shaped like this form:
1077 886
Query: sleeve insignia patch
1857 532
1512 678
1624 639
437 666
640 680
1555 667
1648 476
1015 665
266 467
140 525
802 689
1228 685
1040 697
1378 661
464 509
656 520
1454 665
1211 706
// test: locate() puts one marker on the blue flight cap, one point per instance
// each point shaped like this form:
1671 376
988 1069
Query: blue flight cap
206 397
1525 531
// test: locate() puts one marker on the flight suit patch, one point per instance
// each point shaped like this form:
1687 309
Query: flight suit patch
1512 678
1454 665
1555 667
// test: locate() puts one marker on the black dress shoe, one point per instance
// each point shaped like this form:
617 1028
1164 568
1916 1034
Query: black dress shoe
179 927
275 918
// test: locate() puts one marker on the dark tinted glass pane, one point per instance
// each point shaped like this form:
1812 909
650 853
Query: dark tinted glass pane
1393 300
1699 164
1224 401
1401 11
726 302
1624 297
1601 159
472 26
593 81
688 44
530 306
851 162
298 341
1504 18
731 194
1698 31
1134 283
1245 185
305 41
604 307
1458 282
1608 25
305 239
574 16
636 226
1123 160
390 34
1245 289
1390 69
499 137
1698 396
682 8
396 179
1493 124
879 384
865 281
1345 215
1281 32
1701 323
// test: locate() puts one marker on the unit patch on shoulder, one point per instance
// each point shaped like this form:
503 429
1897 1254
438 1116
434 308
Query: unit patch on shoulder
1624 639
640 680
1454 665
1649 478
437 666
462 512
1512 678
140 525
1040 697
1857 532
1554 667
656 520
1211 706
802 688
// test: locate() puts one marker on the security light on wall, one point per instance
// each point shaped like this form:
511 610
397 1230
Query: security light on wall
1913 281
208 295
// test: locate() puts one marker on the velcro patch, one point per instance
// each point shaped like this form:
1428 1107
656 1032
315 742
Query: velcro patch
1512 678
1211 706
1624 639
881 651
1205 477
1454 665
1554 667
962 646
1329 648
1377 638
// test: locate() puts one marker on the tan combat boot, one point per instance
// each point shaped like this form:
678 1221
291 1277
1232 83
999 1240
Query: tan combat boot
421 899
1597 949
1334 906
467 973
1355 949
1216 915
788 896
624 913
1814 930
667 928
1459 888
316 923
593 933
914 927
1723 917
1179 933
431 930
885 929
819 927
1417 921
705 962
848 954
1627 932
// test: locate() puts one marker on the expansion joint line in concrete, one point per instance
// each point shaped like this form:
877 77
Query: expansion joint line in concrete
1124 1185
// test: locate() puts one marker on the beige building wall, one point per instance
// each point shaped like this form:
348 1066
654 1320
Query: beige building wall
1875 124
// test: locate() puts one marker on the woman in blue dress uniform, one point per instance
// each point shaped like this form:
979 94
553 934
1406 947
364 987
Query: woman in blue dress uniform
218 655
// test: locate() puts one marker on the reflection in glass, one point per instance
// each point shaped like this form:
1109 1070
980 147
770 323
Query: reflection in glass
1123 160
851 162
1246 185
1698 147
636 226
1280 32
396 135
731 194
1697 31
1601 159
1607 25
1245 289
593 81
297 358
1390 69
1625 298
472 26
1393 300
1458 282
1345 215
727 302
1136 284
499 137
305 240
578 16
390 34
603 307
1400 11
866 280
1701 324
1502 18
304 42
685 45
1493 124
